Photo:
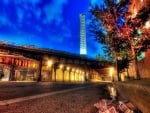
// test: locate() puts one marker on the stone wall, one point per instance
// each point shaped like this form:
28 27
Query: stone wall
138 94
143 67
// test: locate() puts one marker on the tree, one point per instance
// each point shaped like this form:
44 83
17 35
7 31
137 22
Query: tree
124 36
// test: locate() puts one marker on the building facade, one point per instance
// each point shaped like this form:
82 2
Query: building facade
17 67
19 63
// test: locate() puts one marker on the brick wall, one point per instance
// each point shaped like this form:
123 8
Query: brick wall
144 66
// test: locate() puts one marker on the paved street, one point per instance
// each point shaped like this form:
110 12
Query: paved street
20 89
73 101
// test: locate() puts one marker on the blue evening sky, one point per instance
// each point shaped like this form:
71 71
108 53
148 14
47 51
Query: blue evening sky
50 24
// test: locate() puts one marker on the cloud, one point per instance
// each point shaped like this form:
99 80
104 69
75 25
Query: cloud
4 21
53 11
56 38
61 36
6 1
32 2
93 1
38 28
98 2
94 49
66 32
28 6
37 13
20 14
21 39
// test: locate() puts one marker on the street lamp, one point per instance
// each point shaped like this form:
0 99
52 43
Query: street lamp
49 63
147 25
111 70
73 69
77 70
61 66
68 68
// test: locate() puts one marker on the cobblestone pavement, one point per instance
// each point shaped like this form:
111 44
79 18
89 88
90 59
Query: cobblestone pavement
79 101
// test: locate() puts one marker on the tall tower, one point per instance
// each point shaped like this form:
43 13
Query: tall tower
83 50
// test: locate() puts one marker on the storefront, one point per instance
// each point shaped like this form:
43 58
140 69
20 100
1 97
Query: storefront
17 68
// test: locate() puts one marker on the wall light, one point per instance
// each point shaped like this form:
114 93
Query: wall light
49 63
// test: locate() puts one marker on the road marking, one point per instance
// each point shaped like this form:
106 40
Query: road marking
15 100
